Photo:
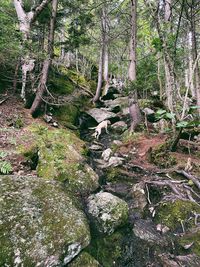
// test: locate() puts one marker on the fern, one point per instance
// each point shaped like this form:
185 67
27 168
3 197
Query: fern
5 167
3 154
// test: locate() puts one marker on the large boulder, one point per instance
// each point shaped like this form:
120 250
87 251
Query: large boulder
107 212
101 114
39 224
121 102
60 157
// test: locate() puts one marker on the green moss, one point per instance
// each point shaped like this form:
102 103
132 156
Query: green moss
59 154
61 84
146 103
107 250
38 220
173 214
161 156
112 174
189 238
67 114
84 260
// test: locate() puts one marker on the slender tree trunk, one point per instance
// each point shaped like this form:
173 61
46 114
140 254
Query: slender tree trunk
132 65
25 20
168 11
195 58
102 66
100 75
159 76
134 109
15 76
47 63
190 65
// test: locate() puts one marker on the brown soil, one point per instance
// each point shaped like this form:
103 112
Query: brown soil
10 135
139 149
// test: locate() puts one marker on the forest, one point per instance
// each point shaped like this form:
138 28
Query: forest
100 133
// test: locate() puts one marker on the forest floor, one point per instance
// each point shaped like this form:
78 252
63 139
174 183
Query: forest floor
14 119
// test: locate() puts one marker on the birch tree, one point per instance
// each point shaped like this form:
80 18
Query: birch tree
26 19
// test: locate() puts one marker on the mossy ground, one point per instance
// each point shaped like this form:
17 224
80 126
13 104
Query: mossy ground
107 250
59 157
177 214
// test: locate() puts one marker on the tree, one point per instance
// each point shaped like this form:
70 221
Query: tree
47 62
132 65
26 19
103 58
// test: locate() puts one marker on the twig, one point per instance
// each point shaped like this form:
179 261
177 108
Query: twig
194 179
148 197
2 101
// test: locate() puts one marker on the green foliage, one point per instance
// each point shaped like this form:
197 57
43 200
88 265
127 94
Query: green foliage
3 154
76 31
161 156
157 44
172 214
163 114
5 167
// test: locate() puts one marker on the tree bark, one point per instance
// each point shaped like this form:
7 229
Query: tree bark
132 65
25 20
195 58
47 63
103 67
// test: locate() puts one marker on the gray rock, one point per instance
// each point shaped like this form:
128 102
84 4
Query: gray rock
95 147
139 197
169 260
107 212
117 143
148 111
115 161
100 114
118 102
39 224
125 111
119 126
161 125
48 118
146 230
106 154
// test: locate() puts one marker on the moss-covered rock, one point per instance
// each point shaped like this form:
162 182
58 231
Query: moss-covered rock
39 224
193 239
161 156
173 214
60 158
84 260
67 114
107 212
107 250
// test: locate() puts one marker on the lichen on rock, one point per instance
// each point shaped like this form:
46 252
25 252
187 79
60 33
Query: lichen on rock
39 224
60 158
107 211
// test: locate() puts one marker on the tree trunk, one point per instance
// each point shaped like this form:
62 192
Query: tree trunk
190 65
168 12
25 20
15 76
47 63
100 76
103 68
195 58
132 65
